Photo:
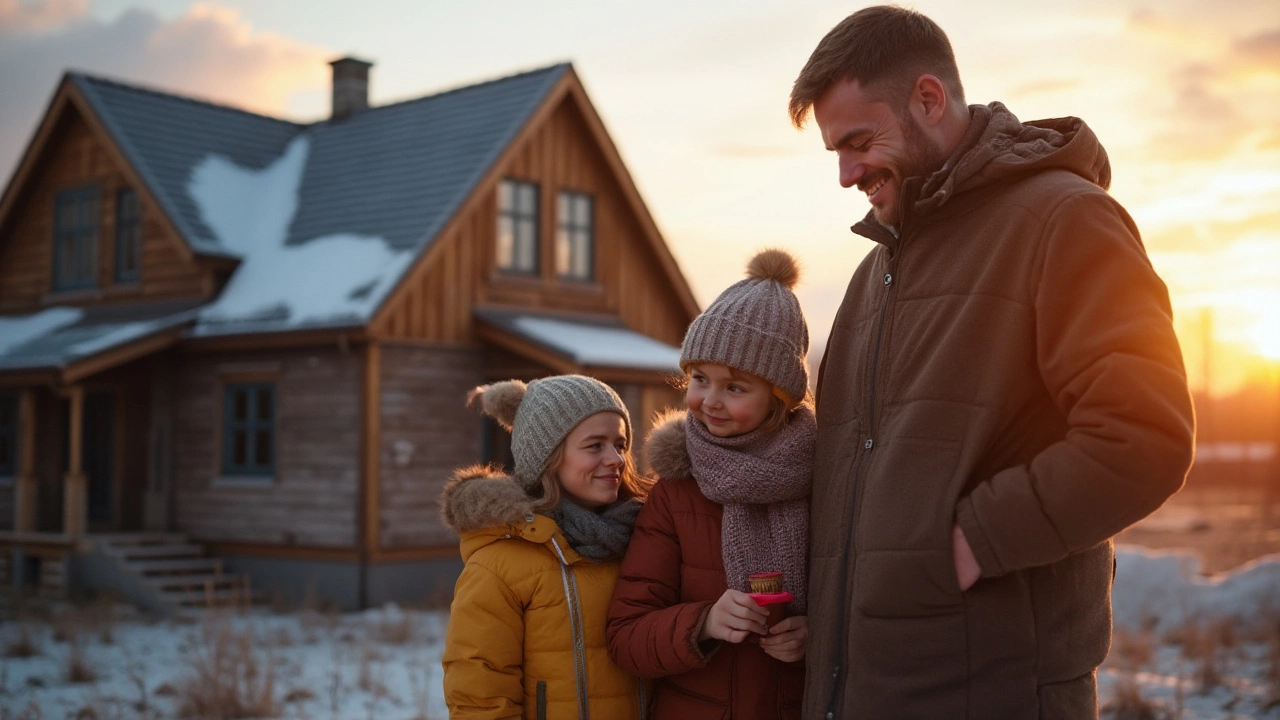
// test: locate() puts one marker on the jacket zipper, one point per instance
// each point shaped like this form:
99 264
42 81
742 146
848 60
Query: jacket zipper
575 626
644 709
542 700
838 672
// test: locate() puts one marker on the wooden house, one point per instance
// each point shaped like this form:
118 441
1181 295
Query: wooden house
246 341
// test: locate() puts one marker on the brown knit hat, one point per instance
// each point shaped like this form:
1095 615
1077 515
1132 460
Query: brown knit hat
540 415
756 326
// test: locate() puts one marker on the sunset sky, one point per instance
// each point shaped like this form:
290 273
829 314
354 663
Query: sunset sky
1184 95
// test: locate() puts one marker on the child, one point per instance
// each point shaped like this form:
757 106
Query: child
731 501
541 550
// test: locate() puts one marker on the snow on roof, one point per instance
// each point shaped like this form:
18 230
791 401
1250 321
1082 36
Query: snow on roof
597 345
326 280
18 331
1165 590
58 336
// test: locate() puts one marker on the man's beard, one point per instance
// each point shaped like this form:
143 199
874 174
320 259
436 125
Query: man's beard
921 158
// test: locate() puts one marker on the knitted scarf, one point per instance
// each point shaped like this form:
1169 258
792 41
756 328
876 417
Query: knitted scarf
762 480
597 536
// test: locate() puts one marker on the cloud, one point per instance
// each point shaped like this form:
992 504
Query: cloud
208 52
1261 51
1212 106
27 17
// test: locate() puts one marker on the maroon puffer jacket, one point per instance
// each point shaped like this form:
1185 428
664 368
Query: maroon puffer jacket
672 574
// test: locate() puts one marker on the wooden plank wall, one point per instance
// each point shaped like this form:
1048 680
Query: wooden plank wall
427 432
131 385
51 459
76 158
435 303
313 498
6 504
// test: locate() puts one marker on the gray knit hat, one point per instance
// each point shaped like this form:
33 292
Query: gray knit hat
540 415
756 326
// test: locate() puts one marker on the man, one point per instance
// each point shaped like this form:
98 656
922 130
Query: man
1001 394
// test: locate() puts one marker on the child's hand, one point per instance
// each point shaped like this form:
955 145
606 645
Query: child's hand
787 640
733 617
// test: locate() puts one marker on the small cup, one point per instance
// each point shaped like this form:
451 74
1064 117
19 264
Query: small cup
773 603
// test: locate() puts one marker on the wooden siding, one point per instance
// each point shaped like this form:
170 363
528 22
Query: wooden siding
313 498
436 300
427 432
6 503
76 157
131 387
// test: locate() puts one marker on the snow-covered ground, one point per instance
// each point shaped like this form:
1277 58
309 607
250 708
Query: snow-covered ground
1187 647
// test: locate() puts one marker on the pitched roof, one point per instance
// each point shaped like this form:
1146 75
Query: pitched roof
165 136
355 200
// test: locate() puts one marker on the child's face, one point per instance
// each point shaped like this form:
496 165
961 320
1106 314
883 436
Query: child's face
727 401
591 471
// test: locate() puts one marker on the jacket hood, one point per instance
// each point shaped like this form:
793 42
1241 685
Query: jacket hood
483 496
999 147
666 448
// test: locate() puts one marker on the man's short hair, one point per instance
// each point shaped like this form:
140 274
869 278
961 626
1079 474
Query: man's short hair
885 49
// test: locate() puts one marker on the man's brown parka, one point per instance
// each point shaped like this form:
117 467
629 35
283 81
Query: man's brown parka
1006 361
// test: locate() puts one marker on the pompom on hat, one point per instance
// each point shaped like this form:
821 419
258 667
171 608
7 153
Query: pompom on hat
756 326
540 415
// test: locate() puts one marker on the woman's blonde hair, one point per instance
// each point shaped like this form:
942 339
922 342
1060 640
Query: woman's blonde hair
547 491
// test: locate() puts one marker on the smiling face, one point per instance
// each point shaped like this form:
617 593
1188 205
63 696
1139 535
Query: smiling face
727 402
877 148
590 472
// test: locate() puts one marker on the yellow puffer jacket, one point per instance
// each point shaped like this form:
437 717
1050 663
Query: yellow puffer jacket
526 634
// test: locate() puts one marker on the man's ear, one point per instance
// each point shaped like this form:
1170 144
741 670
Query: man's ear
928 100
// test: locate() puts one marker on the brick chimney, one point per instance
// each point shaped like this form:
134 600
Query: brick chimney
350 86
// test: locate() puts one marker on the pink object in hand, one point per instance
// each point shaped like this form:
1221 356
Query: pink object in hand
774 603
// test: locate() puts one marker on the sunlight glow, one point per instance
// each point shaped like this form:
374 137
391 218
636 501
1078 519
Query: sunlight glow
1265 333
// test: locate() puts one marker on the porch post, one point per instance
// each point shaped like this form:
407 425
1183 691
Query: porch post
74 483
24 491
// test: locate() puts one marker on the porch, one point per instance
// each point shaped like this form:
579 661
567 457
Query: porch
82 436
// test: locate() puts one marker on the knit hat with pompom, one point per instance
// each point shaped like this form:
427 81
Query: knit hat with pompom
756 326
540 415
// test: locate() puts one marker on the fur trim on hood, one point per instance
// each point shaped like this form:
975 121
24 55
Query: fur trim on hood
665 447
483 496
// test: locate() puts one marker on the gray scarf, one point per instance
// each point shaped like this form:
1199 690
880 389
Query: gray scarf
597 536
762 480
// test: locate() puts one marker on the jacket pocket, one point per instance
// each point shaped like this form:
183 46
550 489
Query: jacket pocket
540 700
907 583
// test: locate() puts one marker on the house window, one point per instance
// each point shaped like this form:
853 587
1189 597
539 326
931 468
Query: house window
518 227
8 435
249 429
128 237
75 241
574 236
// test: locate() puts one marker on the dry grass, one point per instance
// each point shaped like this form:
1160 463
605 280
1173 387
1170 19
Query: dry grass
24 642
1131 650
420 687
230 676
299 695
367 679
393 628
1207 645
1127 702
78 668
30 711
1273 667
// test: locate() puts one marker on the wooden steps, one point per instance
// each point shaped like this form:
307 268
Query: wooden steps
177 574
